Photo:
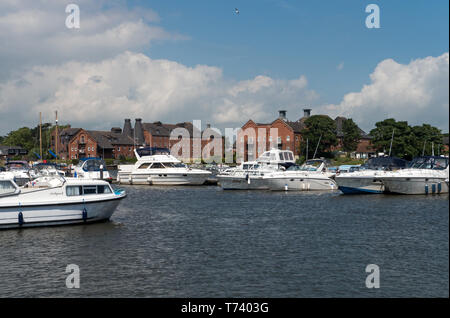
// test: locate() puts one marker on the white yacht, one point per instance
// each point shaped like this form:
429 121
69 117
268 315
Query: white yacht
312 175
250 175
368 177
59 201
91 168
20 170
156 166
425 175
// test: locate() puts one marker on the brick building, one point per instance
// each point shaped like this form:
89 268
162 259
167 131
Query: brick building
158 134
65 135
286 135
104 144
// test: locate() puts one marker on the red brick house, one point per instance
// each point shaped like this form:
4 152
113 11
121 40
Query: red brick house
65 135
158 134
104 144
286 135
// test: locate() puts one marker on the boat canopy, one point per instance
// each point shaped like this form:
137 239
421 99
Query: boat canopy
92 164
8 187
384 163
429 162
151 151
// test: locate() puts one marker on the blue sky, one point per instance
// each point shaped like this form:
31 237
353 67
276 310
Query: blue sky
286 38
178 60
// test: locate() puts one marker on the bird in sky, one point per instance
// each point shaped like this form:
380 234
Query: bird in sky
236 10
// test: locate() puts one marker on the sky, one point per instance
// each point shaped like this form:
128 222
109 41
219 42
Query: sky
175 61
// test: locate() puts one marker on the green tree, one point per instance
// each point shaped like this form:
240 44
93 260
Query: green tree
319 127
352 135
21 137
428 137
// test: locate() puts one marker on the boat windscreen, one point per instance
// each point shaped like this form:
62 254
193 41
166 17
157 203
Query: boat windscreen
436 163
151 151
385 163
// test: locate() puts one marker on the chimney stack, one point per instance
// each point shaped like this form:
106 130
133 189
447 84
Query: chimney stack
127 128
139 132
306 112
282 114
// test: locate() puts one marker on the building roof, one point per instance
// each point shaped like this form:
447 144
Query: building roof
108 139
164 130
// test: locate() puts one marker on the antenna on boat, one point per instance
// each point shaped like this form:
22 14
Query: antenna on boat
315 152
307 142
40 134
392 139
56 136
432 148
423 150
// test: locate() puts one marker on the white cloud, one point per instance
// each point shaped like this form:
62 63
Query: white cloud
340 67
101 94
416 92
36 34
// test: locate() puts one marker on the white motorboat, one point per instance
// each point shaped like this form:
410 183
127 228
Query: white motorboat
92 169
59 201
368 178
20 170
250 175
156 166
425 175
312 175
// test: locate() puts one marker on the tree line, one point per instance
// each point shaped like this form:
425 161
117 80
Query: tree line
407 141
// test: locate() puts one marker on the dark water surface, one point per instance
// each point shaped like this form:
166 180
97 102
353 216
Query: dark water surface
205 242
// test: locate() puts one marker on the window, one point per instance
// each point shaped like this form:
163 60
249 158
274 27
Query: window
118 149
73 190
145 165
6 187
281 156
103 189
89 189
279 140
288 138
157 165
270 138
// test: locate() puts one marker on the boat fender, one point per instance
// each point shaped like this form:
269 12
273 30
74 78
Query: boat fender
433 188
285 187
84 214
426 189
439 187
20 218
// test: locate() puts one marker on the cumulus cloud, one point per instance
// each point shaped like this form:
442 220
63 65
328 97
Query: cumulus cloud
100 94
35 32
416 92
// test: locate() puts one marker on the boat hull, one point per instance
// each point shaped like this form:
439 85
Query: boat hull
357 185
57 214
163 179
301 184
410 185
242 183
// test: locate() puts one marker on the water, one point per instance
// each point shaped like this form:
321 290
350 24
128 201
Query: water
205 242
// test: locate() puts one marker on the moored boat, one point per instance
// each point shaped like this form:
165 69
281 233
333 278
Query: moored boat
156 166
425 175
368 177
57 202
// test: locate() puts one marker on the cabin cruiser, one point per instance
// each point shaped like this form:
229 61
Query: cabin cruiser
20 170
250 175
91 168
45 169
61 201
156 166
367 178
312 175
425 175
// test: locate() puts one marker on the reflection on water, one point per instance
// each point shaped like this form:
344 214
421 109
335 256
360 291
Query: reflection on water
205 242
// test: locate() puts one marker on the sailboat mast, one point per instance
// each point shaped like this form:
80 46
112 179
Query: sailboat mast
392 139
40 135
317 147
56 135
